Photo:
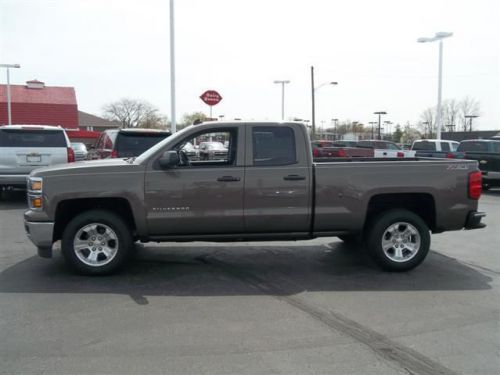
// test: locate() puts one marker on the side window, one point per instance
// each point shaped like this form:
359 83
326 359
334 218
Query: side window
445 146
273 145
209 149
496 147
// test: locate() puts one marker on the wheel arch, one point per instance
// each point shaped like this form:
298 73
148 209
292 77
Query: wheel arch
66 210
422 204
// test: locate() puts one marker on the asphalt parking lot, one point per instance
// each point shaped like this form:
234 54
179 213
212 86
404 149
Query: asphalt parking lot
305 307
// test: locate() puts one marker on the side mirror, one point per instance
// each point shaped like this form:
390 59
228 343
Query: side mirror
169 159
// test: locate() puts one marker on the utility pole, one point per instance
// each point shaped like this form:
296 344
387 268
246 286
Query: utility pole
9 110
282 83
379 113
313 118
172 68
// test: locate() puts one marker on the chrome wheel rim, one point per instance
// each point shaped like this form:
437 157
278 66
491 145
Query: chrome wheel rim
401 242
95 244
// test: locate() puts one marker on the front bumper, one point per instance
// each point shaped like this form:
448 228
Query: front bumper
41 234
474 220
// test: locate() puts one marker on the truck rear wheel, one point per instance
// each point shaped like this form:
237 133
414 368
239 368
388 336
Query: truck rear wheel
96 242
398 240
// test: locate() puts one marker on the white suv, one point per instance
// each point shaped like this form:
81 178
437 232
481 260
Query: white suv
27 147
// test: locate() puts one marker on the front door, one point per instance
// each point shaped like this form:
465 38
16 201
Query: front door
199 196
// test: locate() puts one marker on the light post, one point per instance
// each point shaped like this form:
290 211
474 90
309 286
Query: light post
172 68
282 83
335 121
439 36
313 91
372 123
470 117
388 127
379 113
8 66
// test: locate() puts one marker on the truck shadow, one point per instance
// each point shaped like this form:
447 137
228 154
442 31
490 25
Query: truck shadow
13 200
206 270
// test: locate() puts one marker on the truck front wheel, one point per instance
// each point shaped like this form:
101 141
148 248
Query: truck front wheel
96 242
398 240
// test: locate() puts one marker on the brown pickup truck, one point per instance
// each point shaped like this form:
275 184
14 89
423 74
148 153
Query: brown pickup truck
265 187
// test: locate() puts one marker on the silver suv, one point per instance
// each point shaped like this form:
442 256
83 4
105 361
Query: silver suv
27 147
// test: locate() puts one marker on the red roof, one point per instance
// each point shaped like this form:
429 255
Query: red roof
45 95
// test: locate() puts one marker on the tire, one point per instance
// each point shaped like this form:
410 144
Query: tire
398 240
96 242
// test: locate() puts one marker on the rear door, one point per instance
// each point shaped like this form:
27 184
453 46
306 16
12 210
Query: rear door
22 150
278 180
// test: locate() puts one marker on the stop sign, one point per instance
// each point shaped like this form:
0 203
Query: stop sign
211 97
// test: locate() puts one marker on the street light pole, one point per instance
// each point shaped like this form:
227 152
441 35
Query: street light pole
379 113
313 115
470 117
373 123
313 91
282 83
9 110
172 68
438 37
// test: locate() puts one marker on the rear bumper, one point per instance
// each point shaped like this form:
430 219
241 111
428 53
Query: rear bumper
17 180
41 234
474 220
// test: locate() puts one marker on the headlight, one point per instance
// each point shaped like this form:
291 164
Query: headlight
35 187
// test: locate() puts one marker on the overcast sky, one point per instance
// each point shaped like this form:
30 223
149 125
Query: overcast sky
113 49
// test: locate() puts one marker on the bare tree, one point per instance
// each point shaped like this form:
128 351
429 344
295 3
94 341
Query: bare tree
468 107
133 113
451 111
427 123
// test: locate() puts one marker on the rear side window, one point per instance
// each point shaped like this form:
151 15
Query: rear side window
445 146
496 147
273 146
473 146
424 146
32 138
134 144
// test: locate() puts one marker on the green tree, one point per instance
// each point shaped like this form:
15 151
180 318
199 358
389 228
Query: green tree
191 118
398 134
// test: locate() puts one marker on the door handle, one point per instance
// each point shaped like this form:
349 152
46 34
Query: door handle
228 179
293 177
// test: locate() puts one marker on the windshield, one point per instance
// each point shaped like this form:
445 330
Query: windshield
424 146
151 151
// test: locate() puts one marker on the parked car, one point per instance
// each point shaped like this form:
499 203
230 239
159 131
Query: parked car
27 147
124 143
80 151
386 149
268 187
333 149
487 153
190 151
437 148
212 151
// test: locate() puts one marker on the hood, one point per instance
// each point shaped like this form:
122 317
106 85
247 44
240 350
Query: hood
87 167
